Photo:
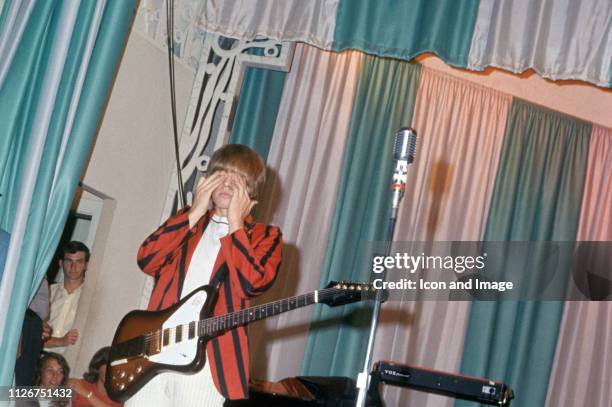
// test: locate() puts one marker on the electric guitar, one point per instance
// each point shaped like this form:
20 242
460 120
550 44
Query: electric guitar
150 342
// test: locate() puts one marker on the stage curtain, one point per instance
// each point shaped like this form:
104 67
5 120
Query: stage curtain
300 195
384 102
398 28
257 109
4 242
404 29
311 21
461 130
50 106
559 39
581 370
13 21
537 197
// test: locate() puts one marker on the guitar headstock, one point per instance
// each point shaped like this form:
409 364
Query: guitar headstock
346 292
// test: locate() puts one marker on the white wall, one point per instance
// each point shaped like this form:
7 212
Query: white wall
131 162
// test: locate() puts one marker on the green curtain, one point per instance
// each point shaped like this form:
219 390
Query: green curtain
257 109
3 12
537 197
610 82
58 174
4 242
384 102
406 28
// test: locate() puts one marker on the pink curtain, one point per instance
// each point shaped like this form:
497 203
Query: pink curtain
582 371
461 129
306 159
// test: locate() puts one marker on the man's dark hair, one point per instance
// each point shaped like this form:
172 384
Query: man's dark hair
74 247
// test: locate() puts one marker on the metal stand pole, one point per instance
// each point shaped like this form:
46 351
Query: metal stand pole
403 154
363 379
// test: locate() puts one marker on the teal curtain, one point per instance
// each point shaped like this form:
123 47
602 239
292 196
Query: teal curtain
4 242
406 28
64 152
384 102
257 109
610 82
537 197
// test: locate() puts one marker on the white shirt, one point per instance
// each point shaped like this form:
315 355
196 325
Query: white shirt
204 257
63 311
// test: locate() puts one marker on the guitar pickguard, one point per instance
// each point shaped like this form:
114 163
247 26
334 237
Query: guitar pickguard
183 352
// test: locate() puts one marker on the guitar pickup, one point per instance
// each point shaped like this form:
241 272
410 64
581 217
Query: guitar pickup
178 334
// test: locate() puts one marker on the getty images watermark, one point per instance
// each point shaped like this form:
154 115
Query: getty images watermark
491 270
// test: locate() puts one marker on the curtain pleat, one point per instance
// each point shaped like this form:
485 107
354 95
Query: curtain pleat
311 21
13 21
300 196
4 242
257 109
537 197
559 39
582 369
384 102
461 128
406 28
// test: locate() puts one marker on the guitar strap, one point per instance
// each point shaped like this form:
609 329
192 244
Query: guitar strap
220 276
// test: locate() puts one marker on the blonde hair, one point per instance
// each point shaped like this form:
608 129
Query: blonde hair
242 160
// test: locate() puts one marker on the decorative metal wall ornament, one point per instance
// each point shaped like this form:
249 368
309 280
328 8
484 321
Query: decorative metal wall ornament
214 96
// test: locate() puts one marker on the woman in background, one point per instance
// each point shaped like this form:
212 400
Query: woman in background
52 372
90 389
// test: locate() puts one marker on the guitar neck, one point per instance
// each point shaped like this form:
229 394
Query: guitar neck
214 325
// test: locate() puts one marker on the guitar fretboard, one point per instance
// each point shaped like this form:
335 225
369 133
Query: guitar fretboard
213 325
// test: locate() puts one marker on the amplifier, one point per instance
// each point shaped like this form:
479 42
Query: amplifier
462 387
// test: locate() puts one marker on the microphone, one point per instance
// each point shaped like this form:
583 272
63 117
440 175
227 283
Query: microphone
403 155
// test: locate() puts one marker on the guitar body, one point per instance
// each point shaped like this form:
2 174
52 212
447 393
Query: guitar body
147 343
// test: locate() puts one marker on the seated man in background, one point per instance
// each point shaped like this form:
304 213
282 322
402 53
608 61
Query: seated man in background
64 297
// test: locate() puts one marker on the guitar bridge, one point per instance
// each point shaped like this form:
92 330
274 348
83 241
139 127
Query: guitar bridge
153 344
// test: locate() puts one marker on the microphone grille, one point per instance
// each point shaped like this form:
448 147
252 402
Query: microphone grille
405 144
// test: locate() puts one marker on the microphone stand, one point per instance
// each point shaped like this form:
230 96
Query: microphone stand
363 378
403 153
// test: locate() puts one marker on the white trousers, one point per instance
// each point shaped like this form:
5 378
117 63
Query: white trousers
176 389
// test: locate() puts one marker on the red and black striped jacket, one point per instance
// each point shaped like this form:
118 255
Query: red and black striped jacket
246 266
